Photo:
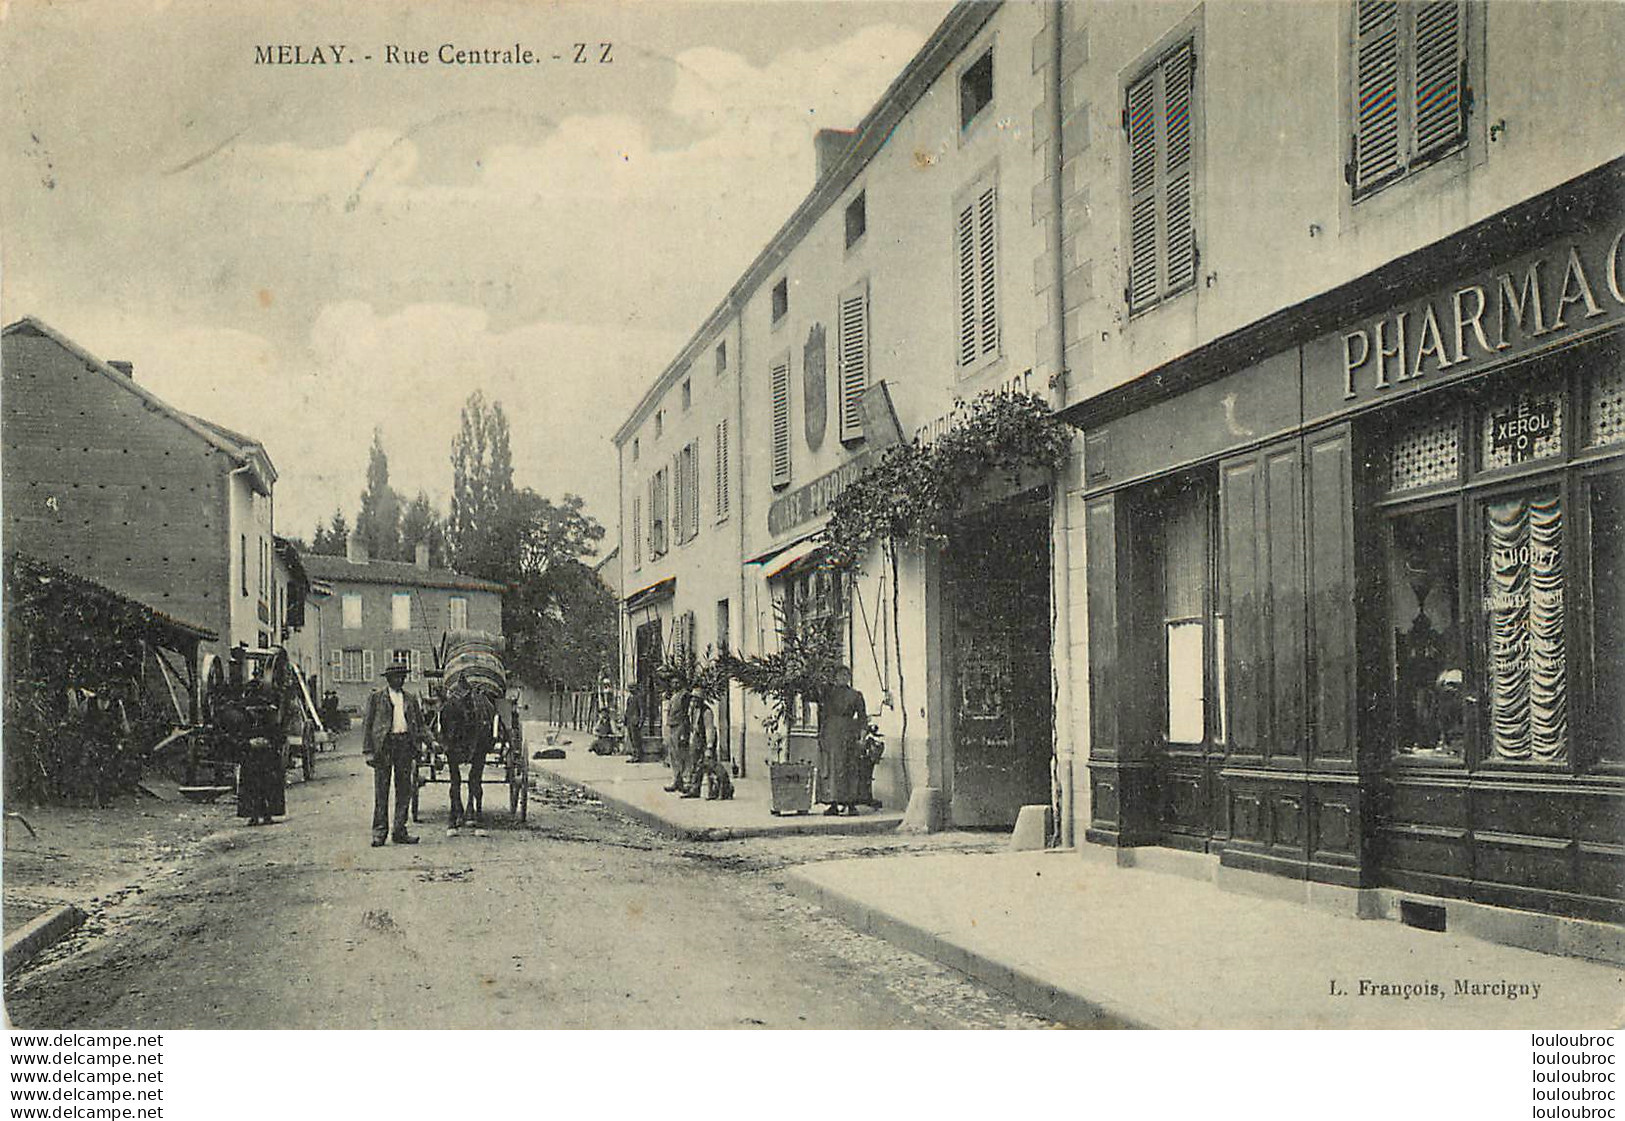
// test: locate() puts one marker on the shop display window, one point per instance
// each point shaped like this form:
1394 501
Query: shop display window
1503 571
1424 604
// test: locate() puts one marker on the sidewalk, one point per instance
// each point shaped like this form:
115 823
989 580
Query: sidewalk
636 790
1099 946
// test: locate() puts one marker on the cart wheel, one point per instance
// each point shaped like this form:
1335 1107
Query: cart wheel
524 790
513 789
417 784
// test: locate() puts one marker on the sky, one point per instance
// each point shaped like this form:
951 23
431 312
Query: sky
305 253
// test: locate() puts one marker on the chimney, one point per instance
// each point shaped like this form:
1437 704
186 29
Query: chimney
422 554
355 550
123 367
830 144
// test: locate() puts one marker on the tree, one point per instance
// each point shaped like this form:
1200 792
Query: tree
481 482
332 539
421 524
379 523
554 613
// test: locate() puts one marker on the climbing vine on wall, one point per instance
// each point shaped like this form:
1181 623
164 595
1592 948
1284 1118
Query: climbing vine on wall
916 492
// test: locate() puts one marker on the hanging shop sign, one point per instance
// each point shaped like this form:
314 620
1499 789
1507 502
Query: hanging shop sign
1571 288
814 500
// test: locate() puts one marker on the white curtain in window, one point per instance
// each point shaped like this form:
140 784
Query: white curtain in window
1528 685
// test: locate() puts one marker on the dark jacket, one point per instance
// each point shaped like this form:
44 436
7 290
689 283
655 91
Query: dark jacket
380 719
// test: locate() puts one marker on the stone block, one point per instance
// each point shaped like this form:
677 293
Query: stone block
927 811
1032 829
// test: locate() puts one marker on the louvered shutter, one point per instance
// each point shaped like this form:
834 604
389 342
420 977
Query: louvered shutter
654 515
663 509
1377 127
966 235
779 390
987 227
1143 283
1440 57
637 530
1178 81
694 489
722 468
335 664
369 668
854 361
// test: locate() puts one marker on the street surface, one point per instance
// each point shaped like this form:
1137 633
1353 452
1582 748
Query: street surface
577 919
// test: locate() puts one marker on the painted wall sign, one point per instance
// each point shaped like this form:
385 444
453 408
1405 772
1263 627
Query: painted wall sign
1517 430
1574 286
815 396
814 500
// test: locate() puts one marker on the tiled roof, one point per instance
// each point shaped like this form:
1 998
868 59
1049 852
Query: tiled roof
402 573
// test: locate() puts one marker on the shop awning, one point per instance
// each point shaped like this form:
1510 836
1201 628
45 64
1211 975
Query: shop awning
654 593
791 556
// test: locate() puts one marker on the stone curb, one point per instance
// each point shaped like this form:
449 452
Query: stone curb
663 825
1026 988
23 945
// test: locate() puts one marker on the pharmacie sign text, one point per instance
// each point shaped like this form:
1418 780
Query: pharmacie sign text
1574 286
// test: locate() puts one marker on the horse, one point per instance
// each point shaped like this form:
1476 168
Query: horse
466 721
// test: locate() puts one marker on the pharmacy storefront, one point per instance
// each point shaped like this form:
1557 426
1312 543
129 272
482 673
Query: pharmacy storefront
1374 583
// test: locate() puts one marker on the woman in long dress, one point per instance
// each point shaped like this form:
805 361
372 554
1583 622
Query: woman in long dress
255 718
842 720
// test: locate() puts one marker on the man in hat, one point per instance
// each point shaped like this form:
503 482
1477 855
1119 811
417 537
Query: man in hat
393 731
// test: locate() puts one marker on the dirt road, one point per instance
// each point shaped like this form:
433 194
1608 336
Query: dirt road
578 919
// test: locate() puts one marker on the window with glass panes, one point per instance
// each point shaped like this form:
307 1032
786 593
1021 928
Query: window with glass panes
1501 537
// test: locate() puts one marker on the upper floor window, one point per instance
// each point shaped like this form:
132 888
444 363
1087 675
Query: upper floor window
686 492
242 559
976 228
688 393
781 299
400 611
457 613
660 423
659 497
857 219
636 450
722 358
1410 96
1159 117
975 88
352 611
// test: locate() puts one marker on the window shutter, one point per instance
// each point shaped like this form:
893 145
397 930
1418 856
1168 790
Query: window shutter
967 285
369 668
637 530
987 227
335 664
662 511
1143 283
1179 72
854 361
722 468
779 389
1377 155
654 517
1438 102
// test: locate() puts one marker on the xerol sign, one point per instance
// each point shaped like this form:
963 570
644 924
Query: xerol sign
1569 288
814 499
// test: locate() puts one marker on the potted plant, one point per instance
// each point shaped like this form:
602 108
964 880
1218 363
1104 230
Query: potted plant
801 668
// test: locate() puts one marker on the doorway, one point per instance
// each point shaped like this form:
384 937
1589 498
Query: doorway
999 686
